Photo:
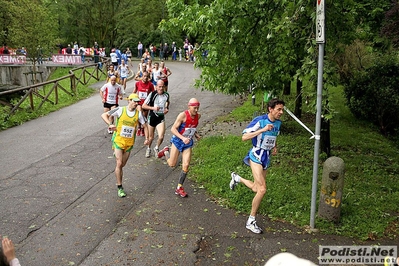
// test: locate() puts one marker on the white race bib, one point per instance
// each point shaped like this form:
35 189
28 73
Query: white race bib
142 95
189 132
268 142
127 132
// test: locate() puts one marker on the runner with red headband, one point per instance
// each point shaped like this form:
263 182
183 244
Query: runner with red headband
183 130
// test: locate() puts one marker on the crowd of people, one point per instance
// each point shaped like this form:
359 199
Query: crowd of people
145 113
164 51
74 48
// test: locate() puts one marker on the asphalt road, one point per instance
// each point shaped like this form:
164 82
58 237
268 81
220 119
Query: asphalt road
57 182
59 201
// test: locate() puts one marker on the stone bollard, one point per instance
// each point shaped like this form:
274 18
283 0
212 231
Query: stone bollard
332 186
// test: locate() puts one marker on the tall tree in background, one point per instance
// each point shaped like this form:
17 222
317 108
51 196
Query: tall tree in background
31 26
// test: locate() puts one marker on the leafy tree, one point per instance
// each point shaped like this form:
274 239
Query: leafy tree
5 22
31 26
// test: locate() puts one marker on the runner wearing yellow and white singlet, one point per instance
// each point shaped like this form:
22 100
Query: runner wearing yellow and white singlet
127 119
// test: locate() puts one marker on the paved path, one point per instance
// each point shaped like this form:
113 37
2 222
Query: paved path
59 202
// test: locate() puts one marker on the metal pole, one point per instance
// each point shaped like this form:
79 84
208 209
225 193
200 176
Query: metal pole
317 135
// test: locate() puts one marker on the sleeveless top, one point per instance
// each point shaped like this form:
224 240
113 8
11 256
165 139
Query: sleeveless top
124 70
165 71
188 128
126 128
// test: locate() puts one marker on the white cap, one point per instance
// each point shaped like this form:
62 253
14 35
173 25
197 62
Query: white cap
288 259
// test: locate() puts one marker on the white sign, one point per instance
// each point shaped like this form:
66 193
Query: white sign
67 59
320 38
12 59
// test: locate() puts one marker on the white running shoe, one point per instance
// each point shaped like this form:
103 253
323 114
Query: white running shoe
148 153
156 150
233 182
254 227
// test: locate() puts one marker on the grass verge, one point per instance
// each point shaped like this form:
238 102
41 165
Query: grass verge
371 191
25 113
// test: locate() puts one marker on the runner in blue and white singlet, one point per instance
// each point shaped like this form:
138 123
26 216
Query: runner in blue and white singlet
264 142
262 131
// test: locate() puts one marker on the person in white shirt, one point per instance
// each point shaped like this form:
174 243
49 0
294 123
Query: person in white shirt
110 94
114 58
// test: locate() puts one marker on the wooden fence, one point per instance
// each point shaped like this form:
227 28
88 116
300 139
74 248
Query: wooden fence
31 92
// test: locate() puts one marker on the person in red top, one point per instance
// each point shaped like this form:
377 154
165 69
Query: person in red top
143 88
165 74
184 130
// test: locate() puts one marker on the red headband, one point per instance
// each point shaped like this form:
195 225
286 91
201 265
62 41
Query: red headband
194 104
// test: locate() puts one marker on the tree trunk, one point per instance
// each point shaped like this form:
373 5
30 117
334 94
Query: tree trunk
325 142
298 100
287 88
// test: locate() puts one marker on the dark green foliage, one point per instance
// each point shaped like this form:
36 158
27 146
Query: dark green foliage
373 94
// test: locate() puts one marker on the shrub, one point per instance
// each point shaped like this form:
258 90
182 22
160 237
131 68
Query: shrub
373 94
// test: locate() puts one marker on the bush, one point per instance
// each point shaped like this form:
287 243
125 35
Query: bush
373 94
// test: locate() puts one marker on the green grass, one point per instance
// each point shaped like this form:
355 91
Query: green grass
26 114
370 202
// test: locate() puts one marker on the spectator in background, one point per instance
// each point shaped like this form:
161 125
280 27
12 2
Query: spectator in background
152 51
185 47
96 54
166 51
23 51
6 51
68 49
174 51
39 55
139 50
82 52
75 48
